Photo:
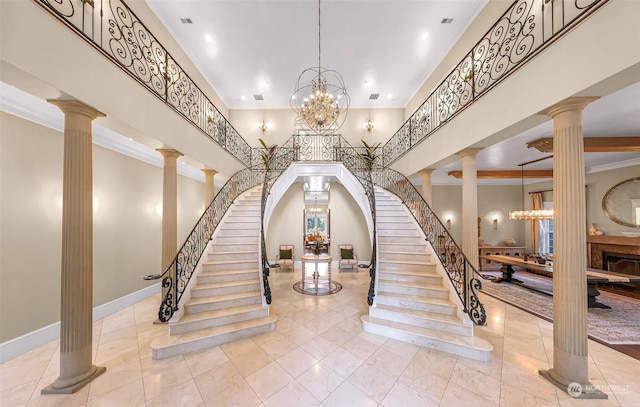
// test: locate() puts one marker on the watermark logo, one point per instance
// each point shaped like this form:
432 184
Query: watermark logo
574 389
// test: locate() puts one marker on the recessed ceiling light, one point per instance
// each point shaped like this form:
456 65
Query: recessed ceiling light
389 96
208 38
424 35
242 97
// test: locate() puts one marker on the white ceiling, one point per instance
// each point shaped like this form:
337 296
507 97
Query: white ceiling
261 46
381 46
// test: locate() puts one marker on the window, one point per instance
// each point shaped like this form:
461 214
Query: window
545 240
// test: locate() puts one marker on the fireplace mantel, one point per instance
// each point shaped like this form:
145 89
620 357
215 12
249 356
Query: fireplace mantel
596 245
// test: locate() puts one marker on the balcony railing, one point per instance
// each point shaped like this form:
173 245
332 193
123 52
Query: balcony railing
113 29
525 29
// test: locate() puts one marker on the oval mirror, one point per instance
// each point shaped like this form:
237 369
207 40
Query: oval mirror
621 203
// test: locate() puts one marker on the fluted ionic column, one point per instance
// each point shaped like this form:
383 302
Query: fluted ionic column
570 351
76 291
169 210
209 186
425 178
469 212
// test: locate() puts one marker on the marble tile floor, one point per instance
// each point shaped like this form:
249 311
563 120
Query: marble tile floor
319 356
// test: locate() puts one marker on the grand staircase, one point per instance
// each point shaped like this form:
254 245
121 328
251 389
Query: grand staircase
226 300
415 301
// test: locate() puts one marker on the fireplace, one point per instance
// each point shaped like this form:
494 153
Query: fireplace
619 254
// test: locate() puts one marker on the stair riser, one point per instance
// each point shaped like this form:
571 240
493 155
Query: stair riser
244 212
242 225
211 292
237 239
253 255
383 239
244 265
224 278
417 305
237 247
432 343
431 280
423 292
242 218
238 231
395 226
405 256
399 233
181 328
391 265
212 306
211 341
457 329
392 247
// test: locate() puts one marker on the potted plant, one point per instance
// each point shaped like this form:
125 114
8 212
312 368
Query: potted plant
370 154
267 153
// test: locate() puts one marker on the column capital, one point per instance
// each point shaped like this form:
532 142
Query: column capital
169 152
570 104
208 171
469 151
74 106
426 171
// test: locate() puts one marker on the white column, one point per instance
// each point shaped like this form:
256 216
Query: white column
469 212
425 178
76 291
209 186
570 352
169 210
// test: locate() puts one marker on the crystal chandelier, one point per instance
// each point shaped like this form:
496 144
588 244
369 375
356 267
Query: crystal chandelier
320 98
530 214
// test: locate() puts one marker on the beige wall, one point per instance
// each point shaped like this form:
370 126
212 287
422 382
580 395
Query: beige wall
597 185
347 223
127 224
386 122
493 201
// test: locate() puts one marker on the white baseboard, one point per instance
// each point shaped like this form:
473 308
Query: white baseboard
29 341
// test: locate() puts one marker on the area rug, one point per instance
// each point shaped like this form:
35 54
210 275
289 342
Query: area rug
619 325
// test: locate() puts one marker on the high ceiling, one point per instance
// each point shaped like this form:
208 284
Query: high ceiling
385 47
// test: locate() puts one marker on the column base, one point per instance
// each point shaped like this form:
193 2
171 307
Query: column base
574 389
54 388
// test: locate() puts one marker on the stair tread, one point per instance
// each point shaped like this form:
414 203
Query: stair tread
417 298
412 273
209 332
453 319
467 341
223 297
426 263
229 261
226 272
398 252
226 284
238 252
200 316
413 284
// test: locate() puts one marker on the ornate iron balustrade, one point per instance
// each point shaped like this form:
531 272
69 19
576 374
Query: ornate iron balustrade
460 271
524 30
176 277
118 33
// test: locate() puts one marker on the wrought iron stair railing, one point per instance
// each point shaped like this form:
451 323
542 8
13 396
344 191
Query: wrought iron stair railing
460 271
177 276
113 29
523 31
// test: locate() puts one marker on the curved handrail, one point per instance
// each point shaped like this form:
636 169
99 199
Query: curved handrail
124 39
177 276
525 29
458 268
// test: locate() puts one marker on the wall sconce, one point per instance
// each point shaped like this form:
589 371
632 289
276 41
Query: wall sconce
448 223
263 126
495 223
368 126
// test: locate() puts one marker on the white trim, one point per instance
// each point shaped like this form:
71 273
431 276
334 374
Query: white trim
29 341
613 166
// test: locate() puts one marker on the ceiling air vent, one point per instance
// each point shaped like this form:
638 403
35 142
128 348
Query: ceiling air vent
374 96
186 21
446 21
258 97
